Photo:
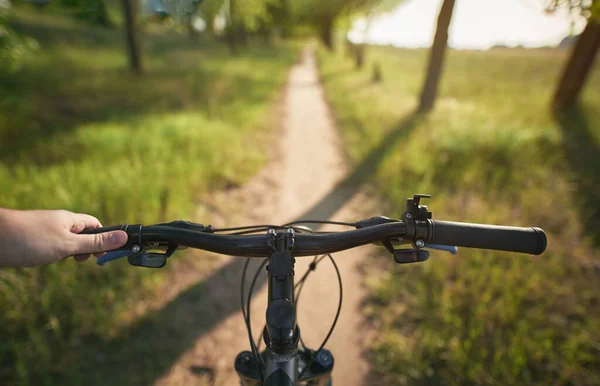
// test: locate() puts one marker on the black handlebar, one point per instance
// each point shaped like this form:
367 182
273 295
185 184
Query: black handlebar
502 238
253 245
92 231
513 239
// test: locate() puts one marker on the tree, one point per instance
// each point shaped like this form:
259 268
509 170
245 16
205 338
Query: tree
181 11
370 13
582 56
276 17
15 49
231 31
191 18
92 11
323 15
358 48
191 28
436 57
245 17
133 46
209 10
96 13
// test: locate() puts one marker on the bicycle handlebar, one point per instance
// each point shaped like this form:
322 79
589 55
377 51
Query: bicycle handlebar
513 239
497 237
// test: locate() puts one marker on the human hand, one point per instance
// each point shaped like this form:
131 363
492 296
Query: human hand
36 237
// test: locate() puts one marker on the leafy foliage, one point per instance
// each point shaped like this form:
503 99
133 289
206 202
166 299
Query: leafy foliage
253 12
15 49
590 9
92 11
313 11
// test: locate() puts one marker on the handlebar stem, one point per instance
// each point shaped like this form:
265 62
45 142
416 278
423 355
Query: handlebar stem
282 334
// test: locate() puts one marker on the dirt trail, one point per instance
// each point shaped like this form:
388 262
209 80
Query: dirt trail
301 175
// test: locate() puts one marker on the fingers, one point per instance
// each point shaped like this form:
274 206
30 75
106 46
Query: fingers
86 244
81 258
84 221
96 244
84 257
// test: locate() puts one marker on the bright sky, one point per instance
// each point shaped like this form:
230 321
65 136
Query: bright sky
475 24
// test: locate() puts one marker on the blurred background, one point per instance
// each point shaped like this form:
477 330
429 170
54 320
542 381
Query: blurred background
136 111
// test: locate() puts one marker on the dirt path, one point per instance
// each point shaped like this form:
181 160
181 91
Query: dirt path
299 181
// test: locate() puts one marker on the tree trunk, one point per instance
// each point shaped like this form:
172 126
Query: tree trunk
135 59
265 31
436 57
231 41
326 33
242 34
103 17
210 26
377 76
101 14
349 47
359 57
192 33
578 67
230 33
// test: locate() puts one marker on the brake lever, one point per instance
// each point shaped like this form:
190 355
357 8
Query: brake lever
148 260
448 248
416 255
151 260
141 258
111 256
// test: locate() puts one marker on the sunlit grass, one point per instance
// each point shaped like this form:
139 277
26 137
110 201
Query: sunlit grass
79 132
490 152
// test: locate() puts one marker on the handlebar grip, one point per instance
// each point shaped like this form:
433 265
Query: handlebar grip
120 227
93 231
501 238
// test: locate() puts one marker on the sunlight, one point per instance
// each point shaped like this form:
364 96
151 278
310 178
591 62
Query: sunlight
476 24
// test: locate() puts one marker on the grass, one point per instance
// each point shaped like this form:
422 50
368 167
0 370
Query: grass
490 152
79 132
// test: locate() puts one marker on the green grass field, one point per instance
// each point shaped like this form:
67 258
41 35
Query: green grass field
490 152
79 132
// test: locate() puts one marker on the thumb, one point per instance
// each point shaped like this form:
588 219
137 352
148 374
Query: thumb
100 242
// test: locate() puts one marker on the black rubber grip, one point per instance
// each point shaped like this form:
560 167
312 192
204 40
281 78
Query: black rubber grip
93 231
501 238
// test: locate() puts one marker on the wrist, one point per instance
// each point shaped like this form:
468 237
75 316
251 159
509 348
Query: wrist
10 246
5 215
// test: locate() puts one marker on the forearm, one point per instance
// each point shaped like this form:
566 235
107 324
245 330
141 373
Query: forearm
12 246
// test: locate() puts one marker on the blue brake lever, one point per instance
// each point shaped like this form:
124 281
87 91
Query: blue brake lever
112 255
447 248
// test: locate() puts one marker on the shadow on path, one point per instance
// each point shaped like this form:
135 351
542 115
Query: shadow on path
362 173
582 152
145 351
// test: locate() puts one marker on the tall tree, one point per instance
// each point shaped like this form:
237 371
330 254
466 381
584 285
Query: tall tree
276 17
15 49
190 18
323 15
370 13
245 17
92 11
210 9
131 36
97 12
583 54
436 57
